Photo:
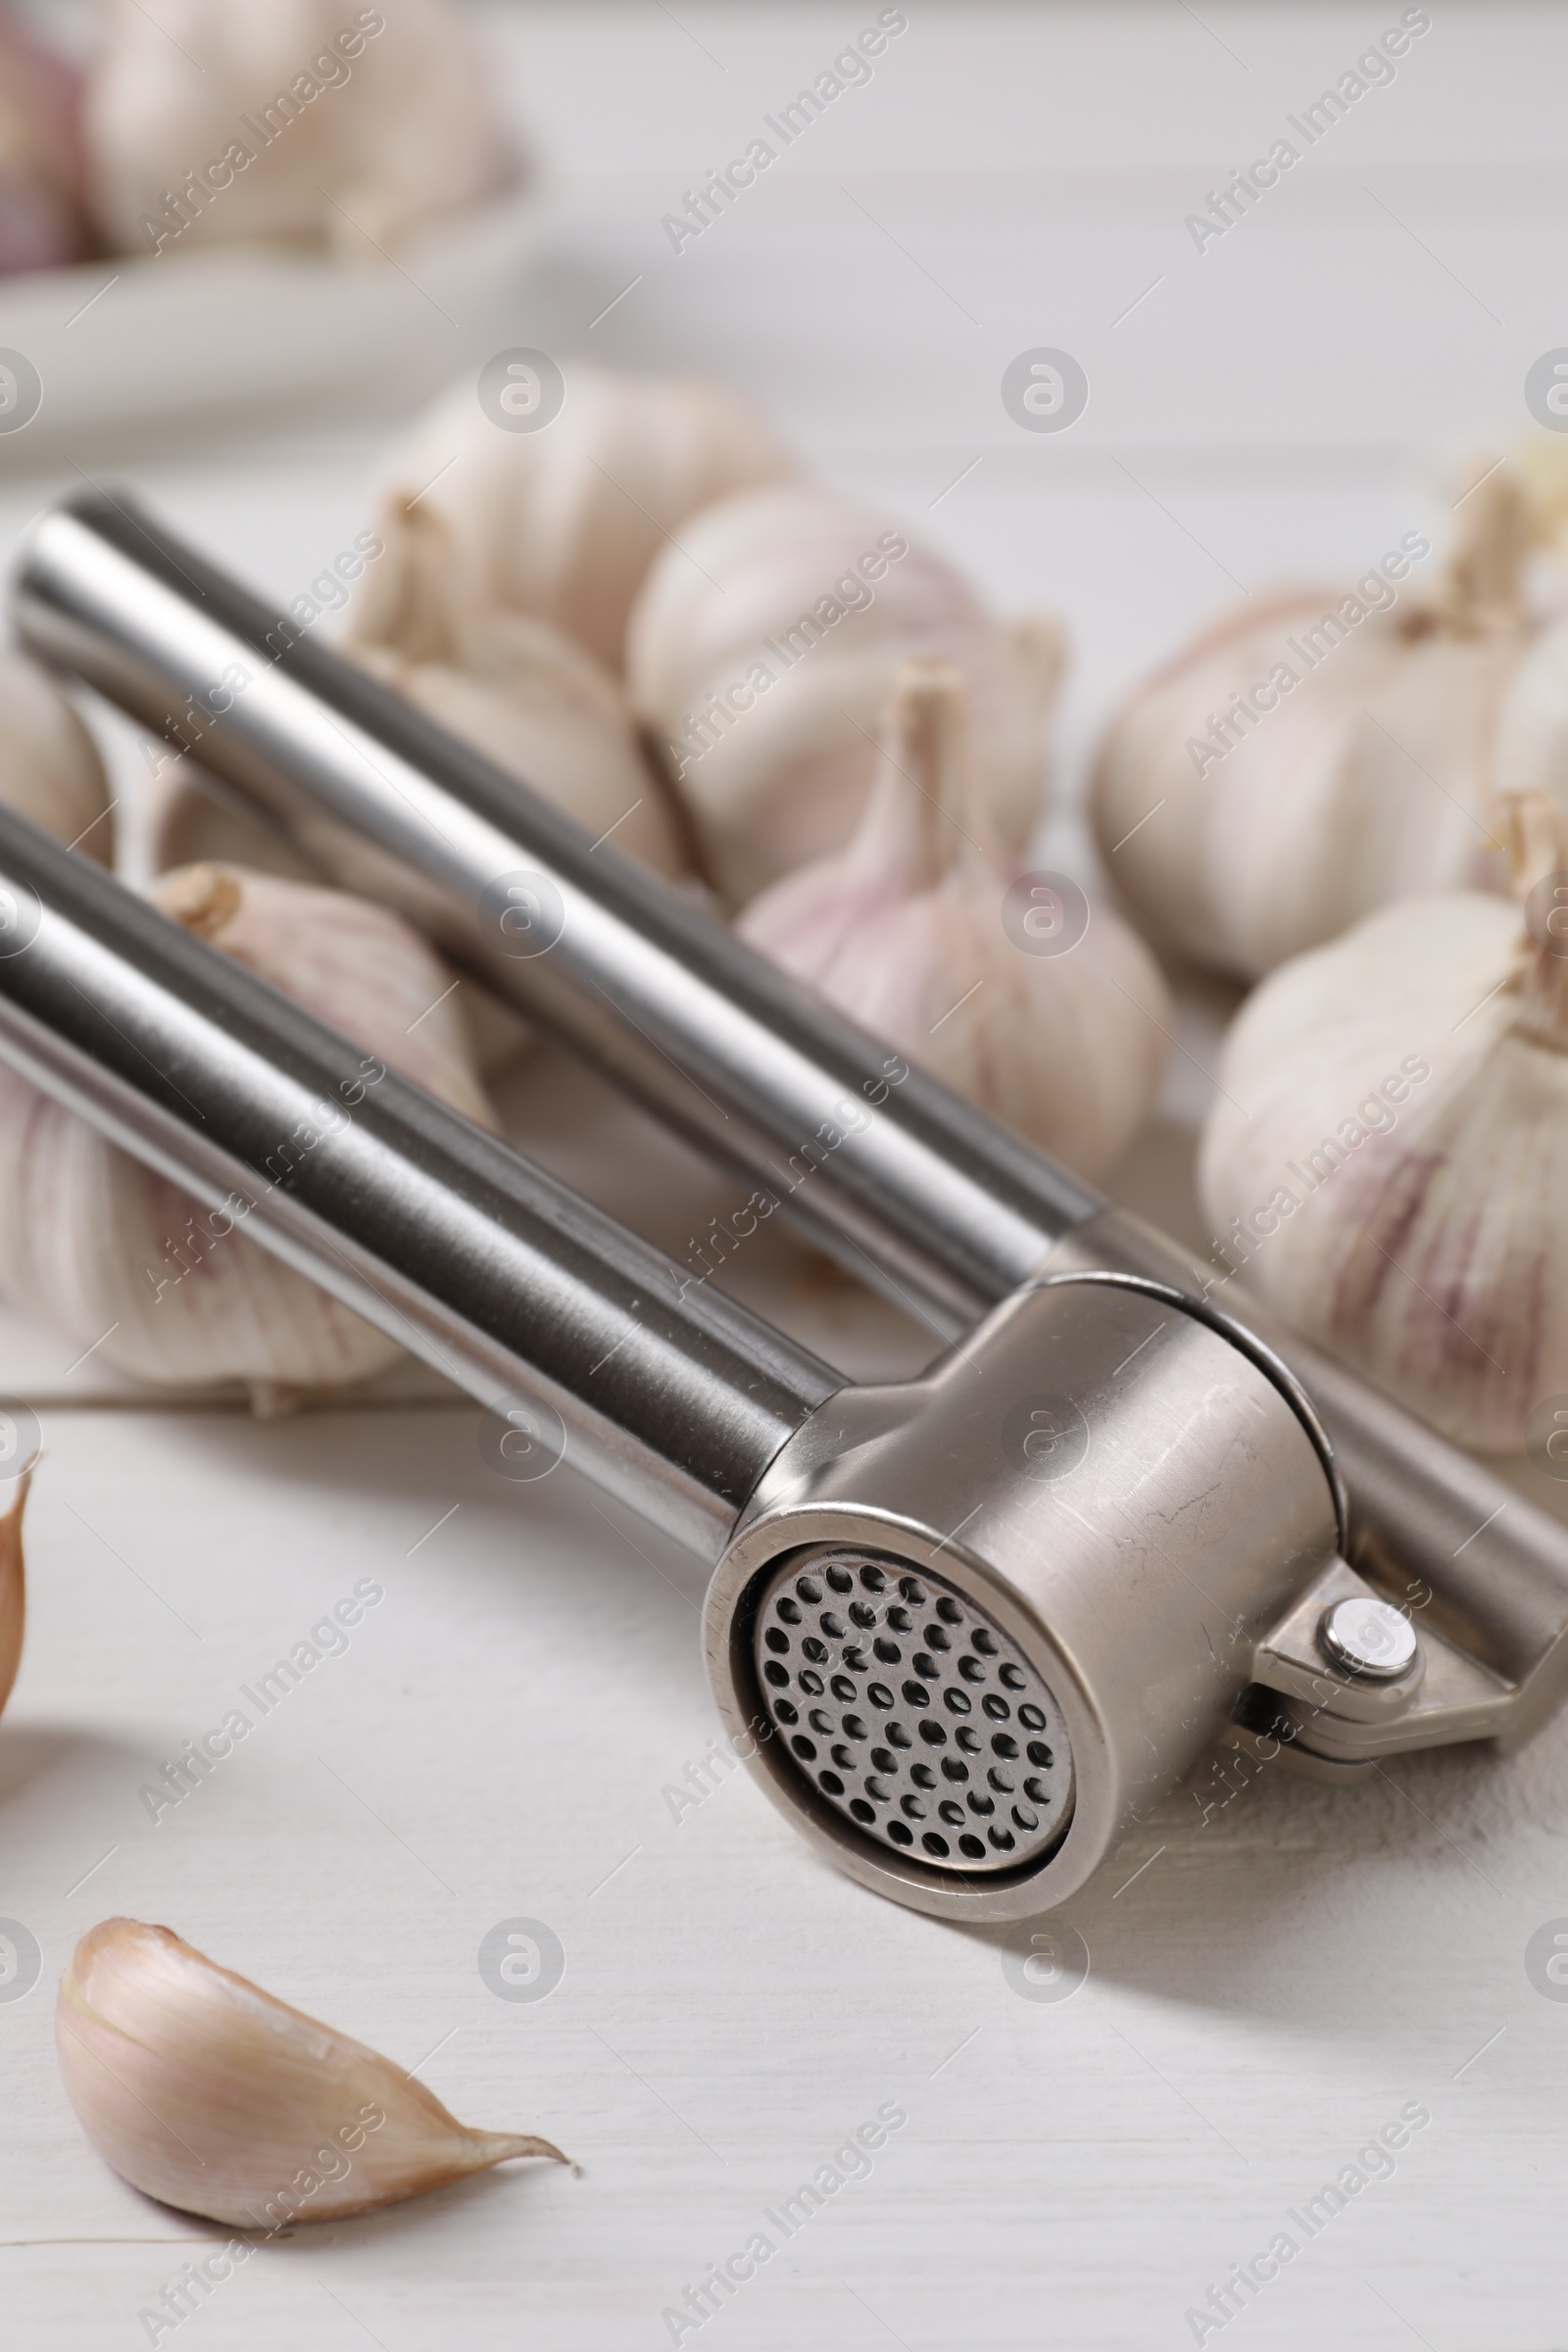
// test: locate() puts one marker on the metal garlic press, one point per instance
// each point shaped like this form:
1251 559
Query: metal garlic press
967 1628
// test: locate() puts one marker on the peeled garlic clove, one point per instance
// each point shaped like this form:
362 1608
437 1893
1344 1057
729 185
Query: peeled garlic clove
132 1268
202 2090
1388 1157
287 122
904 929
761 655
49 766
12 1586
1321 753
560 524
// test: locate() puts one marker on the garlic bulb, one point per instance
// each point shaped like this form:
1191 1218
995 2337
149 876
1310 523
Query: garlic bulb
307 121
562 524
202 2090
1320 753
904 929
131 1267
49 766
41 224
1388 1156
761 653
12 1584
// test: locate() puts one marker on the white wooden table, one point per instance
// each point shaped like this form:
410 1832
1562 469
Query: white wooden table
1274 1978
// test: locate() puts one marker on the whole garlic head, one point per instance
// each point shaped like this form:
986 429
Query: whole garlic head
1388 1156
49 765
560 524
304 121
202 2090
125 1261
904 930
761 653
1319 752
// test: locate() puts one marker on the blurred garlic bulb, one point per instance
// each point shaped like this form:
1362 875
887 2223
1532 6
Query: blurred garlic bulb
1318 753
562 524
1389 1154
13 1580
514 689
128 1264
41 219
760 657
49 766
906 930
306 121
202 2090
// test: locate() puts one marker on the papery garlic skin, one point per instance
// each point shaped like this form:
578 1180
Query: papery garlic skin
202 2090
904 929
564 523
760 657
1245 820
49 765
1388 1160
125 1263
397 130
12 1584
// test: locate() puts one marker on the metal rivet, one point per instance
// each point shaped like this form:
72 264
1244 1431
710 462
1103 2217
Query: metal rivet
1368 1638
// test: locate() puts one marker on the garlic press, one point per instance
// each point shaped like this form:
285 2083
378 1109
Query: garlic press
966 1630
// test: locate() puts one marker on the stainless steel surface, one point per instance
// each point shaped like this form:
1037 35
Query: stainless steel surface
948 1210
887 1168
668 1394
1368 1638
1430 1527
1133 1561
913 1712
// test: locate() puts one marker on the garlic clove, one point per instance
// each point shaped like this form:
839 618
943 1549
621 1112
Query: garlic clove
760 657
331 135
524 693
12 1586
351 962
1323 752
164 1288
201 2089
49 765
1388 1152
904 929
560 524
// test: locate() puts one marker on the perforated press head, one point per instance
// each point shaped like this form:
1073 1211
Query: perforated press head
910 1712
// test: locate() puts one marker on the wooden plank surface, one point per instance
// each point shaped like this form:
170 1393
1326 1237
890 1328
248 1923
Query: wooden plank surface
1278 1971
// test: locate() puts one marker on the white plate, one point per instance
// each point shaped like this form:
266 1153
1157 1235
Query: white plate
132 340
